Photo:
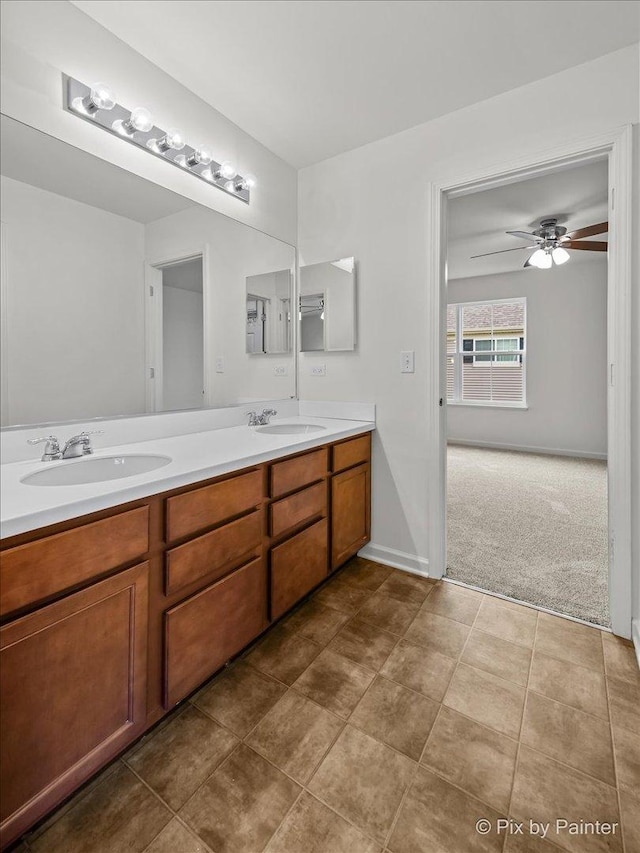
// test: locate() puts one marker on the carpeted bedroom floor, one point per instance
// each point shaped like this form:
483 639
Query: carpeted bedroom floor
530 527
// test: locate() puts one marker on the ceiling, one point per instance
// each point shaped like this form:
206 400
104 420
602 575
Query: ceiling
477 223
313 78
50 164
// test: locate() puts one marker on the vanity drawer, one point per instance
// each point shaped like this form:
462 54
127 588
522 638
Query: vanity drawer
203 632
298 508
295 473
349 453
38 570
297 566
192 511
215 553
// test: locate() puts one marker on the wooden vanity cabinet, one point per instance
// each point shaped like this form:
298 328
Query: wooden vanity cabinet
111 619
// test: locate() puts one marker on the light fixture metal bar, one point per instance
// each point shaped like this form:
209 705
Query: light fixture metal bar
105 119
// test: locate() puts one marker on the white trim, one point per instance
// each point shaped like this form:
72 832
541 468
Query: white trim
616 145
398 559
528 604
523 448
635 636
4 327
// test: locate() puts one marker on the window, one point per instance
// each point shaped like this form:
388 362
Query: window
486 353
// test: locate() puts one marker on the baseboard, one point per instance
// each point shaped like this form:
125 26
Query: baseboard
398 559
522 448
635 636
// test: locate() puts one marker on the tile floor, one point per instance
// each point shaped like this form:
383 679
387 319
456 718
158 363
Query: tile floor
387 713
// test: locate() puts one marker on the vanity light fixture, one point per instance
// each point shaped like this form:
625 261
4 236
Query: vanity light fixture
98 105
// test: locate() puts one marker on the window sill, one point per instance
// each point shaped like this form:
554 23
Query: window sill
487 405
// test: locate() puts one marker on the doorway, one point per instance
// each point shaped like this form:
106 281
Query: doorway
616 146
176 373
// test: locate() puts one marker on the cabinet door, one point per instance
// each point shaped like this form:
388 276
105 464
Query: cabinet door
203 632
350 513
73 692
297 566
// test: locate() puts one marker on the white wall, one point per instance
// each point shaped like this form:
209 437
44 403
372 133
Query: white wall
182 373
566 361
354 204
74 325
235 252
43 38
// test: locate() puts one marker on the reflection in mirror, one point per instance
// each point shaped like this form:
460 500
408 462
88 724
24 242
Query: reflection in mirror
327 306
121 297
269 312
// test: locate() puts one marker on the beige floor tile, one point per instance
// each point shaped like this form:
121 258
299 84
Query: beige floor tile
569 735
499 657
570 641
407 587
624 704
365 574
364 781
335 682
620 660
473 757
363 643
627 750
570 683
508 621
295 735
311 827
241 805
119 814
342 596
316 621
283 654
421 668
396 716
630 815
528 844
175 838
388 613
454 602
486 699
180 756
437 632
239 698
438 818
545 790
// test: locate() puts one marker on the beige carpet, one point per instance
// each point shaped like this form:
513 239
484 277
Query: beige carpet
531 527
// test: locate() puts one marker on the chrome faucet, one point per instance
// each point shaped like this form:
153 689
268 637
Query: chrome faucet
262 419
77 445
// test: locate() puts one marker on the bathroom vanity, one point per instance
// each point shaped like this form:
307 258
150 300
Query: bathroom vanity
112 618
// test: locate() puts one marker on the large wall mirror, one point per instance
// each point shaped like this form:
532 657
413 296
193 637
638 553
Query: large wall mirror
120 297
327 306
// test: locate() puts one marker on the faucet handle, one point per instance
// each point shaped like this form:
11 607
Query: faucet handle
51 447
47 438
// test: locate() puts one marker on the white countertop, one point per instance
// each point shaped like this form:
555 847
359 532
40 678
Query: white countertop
195 457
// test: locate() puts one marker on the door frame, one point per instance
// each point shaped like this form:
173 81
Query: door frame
153 325
616 145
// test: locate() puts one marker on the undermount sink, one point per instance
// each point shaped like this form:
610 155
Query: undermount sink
289 429
95 470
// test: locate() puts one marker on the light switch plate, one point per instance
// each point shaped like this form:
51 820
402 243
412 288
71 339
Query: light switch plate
408 362
319 370
219 364
280 370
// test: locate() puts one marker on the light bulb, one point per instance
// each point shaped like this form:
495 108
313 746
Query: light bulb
171 141
537 257
560 255
230 186
202 155
247 183
226 170
140 120
545 263
101 97
207 175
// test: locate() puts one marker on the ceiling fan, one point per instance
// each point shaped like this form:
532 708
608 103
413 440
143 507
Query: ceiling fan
551 242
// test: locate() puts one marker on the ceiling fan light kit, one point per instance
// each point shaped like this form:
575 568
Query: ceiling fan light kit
551 242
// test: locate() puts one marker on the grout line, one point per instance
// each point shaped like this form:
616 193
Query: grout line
524 711
615 760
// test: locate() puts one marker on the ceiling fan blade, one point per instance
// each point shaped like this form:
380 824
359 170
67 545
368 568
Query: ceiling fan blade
589 231
586 245
524 235
502 251
527 263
